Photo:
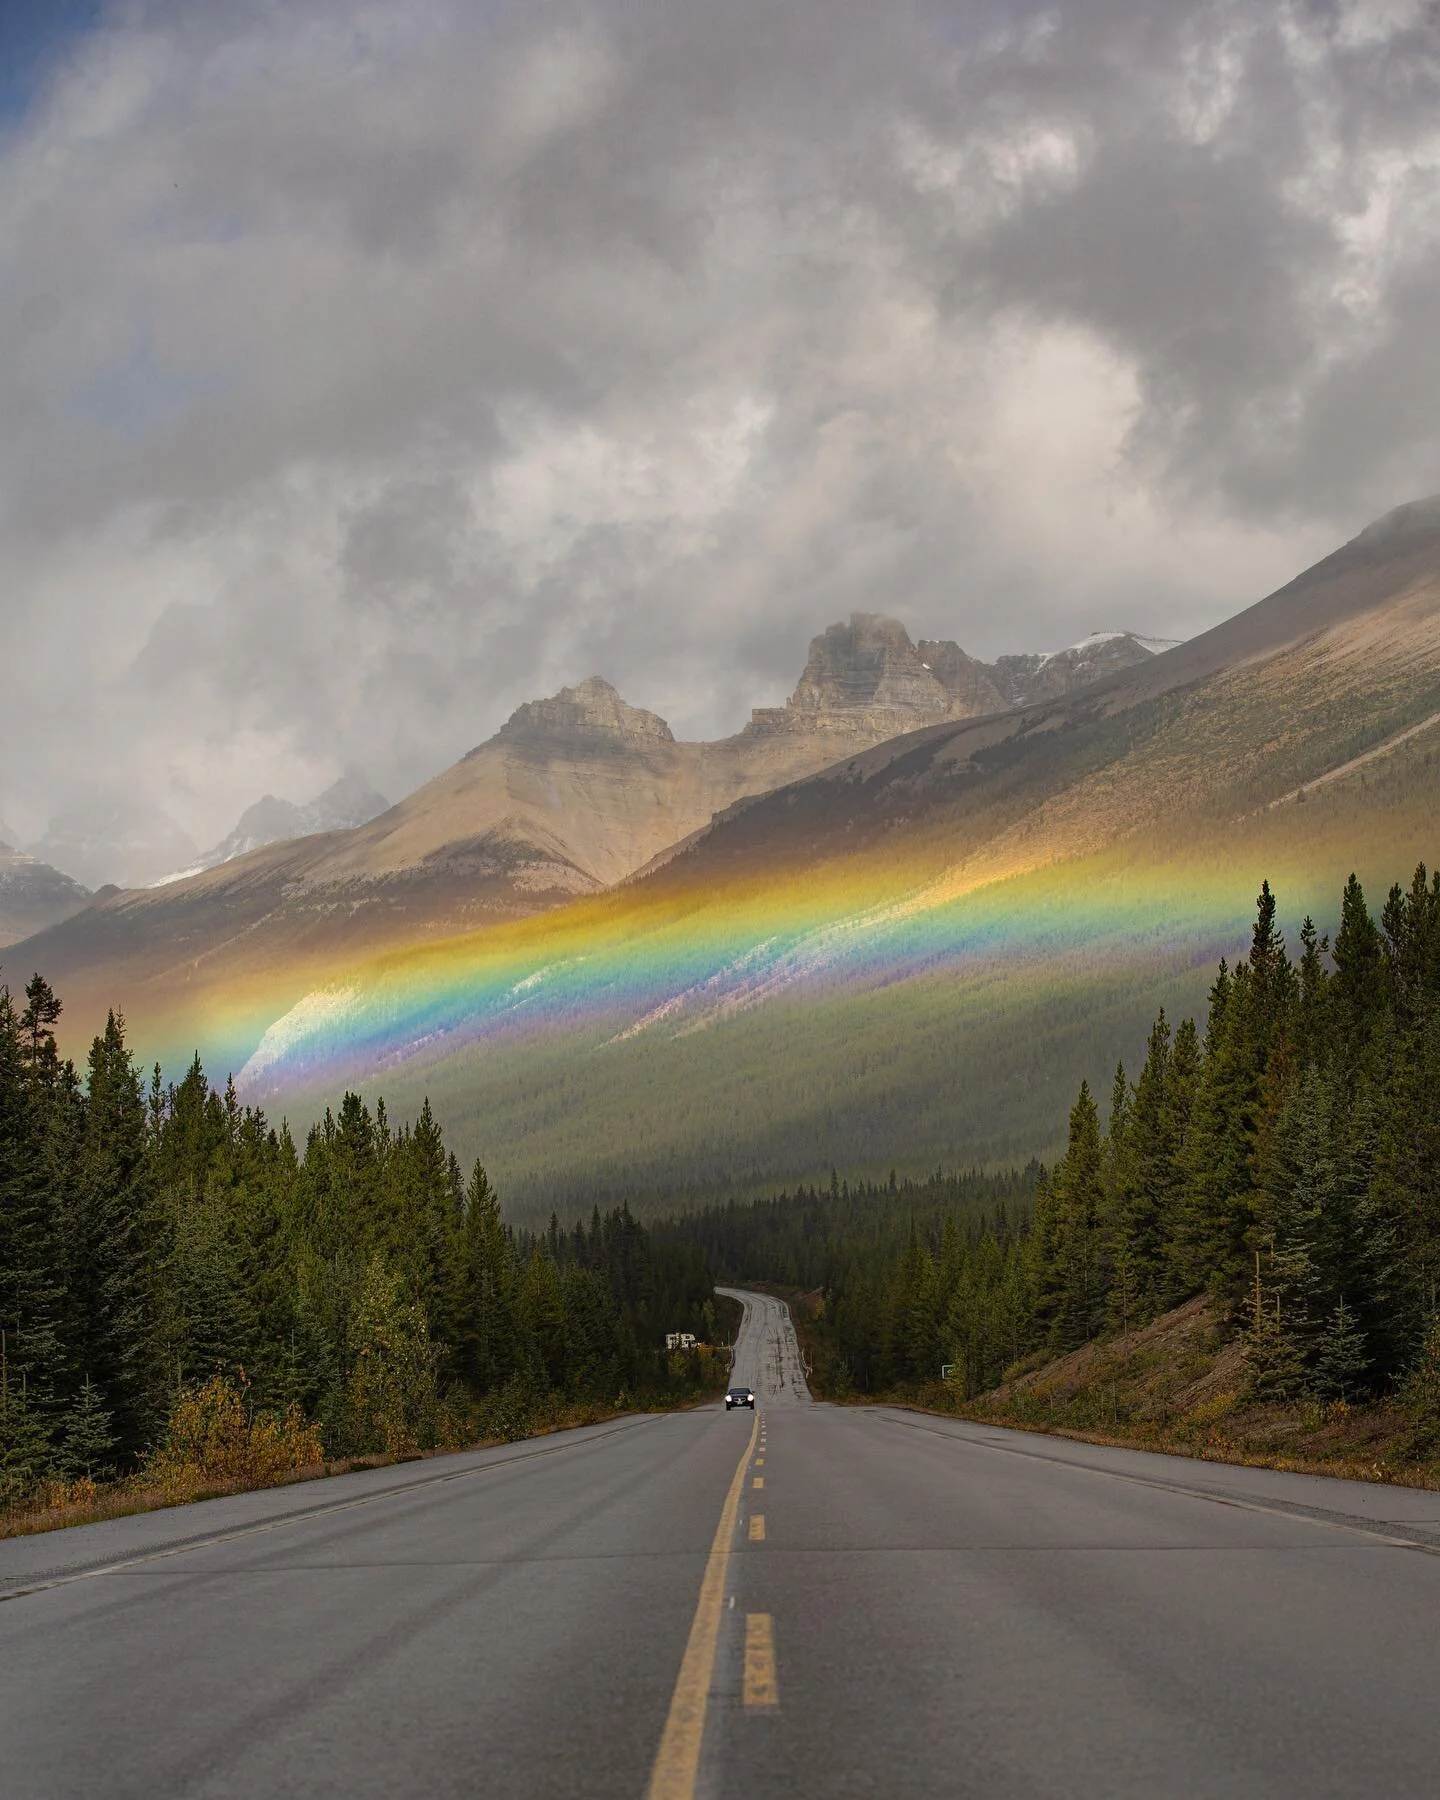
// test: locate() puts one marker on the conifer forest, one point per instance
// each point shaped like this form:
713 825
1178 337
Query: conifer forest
176 1274
1282 1157
174 1267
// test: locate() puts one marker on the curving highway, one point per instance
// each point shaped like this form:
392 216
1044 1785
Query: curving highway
817 1601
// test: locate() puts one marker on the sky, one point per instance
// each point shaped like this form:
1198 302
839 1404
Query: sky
372 368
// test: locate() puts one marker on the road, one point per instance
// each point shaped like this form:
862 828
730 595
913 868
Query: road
907 1606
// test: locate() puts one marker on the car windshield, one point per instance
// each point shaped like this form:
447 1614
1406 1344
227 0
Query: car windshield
739 1393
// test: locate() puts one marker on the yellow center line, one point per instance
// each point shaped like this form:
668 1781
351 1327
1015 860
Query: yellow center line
757 1528
678 1759
761 1687
758 1482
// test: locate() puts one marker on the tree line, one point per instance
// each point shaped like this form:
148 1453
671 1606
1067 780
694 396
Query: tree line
154 1237
906 1271
1286 1160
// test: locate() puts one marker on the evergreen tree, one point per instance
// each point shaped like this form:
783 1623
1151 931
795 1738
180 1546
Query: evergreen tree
112 1246
90 1439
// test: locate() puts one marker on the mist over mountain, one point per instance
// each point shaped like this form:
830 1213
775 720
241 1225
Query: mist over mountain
345 803
33 895
126 843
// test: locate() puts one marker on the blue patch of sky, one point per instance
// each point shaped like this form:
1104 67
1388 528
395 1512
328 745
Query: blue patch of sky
34 36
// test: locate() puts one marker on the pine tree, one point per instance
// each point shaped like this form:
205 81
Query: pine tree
30 1275
112 1246
1342 1361
1080 1232
1356 989
89 1435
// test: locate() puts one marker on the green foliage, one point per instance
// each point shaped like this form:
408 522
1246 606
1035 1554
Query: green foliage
1287 1163
913 1274
89 1434
154 1243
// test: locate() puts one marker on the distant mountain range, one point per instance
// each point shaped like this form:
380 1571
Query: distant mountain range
904 958
573 794
346 803
32 896
114 842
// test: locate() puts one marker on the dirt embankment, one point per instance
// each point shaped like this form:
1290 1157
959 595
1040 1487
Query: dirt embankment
1180 1385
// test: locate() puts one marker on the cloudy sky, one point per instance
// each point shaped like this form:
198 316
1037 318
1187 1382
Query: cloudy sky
372 367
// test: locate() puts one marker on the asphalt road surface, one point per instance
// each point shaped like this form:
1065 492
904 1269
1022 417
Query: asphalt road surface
906 1606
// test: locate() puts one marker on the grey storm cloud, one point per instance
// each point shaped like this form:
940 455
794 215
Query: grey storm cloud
372 369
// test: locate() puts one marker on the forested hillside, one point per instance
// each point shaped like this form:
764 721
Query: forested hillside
154 1244
1284 1161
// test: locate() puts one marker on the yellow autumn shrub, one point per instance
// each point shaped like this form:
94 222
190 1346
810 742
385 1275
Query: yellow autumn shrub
214 1440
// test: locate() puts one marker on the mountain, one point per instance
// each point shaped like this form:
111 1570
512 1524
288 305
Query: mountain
1025 679
867 679
127 843
912 955
33 896
347 802
572 795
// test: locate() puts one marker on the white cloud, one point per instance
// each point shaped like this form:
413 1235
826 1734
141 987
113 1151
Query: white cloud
374 369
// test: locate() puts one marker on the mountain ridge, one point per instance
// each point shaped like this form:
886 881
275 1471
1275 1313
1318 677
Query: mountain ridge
907 956
574 793
347 802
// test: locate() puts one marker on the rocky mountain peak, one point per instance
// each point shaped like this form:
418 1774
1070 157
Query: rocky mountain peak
348 802
866 676
867 662
590 714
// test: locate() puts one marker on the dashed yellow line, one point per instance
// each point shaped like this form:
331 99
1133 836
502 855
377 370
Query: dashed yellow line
758 1482
678 1758
761 1687
757 1528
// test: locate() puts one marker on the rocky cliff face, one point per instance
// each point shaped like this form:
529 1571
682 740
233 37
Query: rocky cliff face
866 679
591 713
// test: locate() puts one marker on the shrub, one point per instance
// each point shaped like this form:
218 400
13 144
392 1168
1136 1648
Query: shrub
213 1440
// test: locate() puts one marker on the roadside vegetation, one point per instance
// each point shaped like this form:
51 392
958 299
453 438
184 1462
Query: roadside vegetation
1241 1259
191 1304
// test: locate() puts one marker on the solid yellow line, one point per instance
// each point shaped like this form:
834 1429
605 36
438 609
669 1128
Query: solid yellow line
757 1528
761 1687
678 1759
